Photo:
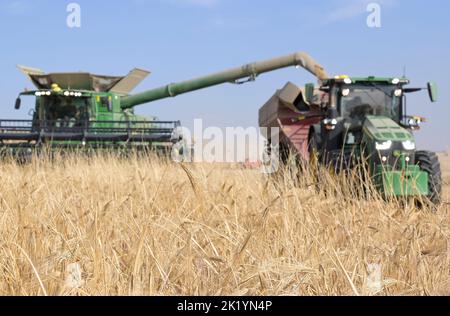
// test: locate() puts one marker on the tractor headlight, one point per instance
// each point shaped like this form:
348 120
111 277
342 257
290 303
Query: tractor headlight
409 145
384 146
330 124
347 81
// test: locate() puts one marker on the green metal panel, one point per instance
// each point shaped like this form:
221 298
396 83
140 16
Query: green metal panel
408 182
380 128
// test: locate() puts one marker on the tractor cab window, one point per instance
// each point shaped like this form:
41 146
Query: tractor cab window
64 111
359 101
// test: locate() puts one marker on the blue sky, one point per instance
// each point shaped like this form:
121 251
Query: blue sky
181 39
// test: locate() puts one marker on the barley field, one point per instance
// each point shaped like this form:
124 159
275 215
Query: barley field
109 226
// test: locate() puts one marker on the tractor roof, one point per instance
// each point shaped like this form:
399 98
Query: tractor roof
85 81
380 80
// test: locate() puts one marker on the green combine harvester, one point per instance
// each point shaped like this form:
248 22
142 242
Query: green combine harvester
345 121
87 111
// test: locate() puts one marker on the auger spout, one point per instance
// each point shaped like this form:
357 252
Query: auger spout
250 71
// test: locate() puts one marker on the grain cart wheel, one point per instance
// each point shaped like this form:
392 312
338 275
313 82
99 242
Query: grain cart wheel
429 162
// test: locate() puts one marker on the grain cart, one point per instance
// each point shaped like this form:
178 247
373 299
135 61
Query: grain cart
95 111
344 120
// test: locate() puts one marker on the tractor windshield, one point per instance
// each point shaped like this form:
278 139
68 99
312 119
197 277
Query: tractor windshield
358 101
65 111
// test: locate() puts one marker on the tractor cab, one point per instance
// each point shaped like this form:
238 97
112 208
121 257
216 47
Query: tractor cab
361 98
60 108
357 107
354 99
69 108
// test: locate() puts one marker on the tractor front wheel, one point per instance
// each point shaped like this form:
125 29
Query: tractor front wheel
429 162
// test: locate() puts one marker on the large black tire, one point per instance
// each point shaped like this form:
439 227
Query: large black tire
429 162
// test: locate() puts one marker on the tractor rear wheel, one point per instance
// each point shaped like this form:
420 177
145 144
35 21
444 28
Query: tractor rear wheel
429 162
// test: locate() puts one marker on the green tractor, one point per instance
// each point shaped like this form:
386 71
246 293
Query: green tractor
346 120
86 111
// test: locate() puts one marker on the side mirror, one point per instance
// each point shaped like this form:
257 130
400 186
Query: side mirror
433 91
309 92
18 103
413 122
